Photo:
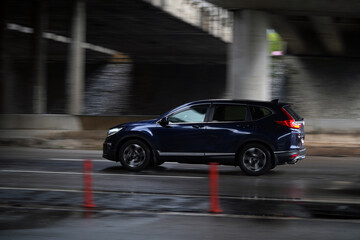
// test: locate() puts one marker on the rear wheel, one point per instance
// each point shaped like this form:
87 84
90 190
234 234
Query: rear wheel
134 155
255 159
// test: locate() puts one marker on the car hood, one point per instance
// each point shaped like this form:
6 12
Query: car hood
137 123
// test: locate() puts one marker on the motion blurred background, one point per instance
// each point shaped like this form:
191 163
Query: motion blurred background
71 69
144 57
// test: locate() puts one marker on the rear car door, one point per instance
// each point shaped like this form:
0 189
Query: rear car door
228 126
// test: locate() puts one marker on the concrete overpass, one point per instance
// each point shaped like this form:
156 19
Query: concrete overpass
47 43
168 62
319 27
321 38
316 28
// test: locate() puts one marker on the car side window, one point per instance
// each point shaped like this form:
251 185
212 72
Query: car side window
193 114
259 112
226 113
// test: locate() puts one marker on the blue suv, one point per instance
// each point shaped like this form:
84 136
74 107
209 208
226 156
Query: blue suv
254 135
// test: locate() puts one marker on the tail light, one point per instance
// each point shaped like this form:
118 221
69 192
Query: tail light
291 123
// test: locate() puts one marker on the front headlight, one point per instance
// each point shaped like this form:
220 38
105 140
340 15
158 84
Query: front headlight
112 131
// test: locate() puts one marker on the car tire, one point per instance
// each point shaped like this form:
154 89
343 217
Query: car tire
134 155
254 159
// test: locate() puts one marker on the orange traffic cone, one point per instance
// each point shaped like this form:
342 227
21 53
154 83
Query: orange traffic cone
214 189
88 193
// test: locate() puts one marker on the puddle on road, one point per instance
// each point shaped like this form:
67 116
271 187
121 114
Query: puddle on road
14 218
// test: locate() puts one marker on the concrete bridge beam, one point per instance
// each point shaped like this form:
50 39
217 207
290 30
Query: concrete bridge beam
248 71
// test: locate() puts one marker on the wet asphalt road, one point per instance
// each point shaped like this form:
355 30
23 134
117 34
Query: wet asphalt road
41 192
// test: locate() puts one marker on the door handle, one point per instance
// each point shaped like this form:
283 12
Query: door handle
197 126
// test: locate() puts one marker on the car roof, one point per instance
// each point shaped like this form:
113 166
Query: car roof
270 104
239 101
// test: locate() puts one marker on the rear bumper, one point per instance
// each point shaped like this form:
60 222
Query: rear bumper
290 157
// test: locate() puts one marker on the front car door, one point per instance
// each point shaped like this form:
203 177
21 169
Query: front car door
183 138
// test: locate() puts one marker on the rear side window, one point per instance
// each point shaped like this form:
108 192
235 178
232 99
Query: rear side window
226 113
293 114
259 112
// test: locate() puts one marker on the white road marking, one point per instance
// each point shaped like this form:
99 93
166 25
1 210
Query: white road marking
75 159
82 159
100 174
41 189
338 185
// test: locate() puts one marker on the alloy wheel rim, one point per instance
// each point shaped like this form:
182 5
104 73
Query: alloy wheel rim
254 159
134 155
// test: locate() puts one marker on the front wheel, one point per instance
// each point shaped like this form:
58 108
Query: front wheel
255 159
134 155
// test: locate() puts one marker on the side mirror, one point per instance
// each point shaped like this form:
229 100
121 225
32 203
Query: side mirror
164 121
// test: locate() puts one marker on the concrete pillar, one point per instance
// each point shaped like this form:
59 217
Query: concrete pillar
2 55
7 91
248 64
76 62
40 66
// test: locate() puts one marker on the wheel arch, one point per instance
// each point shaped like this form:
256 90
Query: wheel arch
265 144
136 136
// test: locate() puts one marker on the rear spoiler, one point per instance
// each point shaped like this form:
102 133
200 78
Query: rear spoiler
276 101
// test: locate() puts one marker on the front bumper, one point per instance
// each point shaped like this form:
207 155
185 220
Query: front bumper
290 157
108 151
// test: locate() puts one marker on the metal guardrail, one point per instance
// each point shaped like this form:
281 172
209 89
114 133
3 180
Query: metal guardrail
206 16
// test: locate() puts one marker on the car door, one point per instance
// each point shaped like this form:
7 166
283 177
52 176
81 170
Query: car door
228 126
183 136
